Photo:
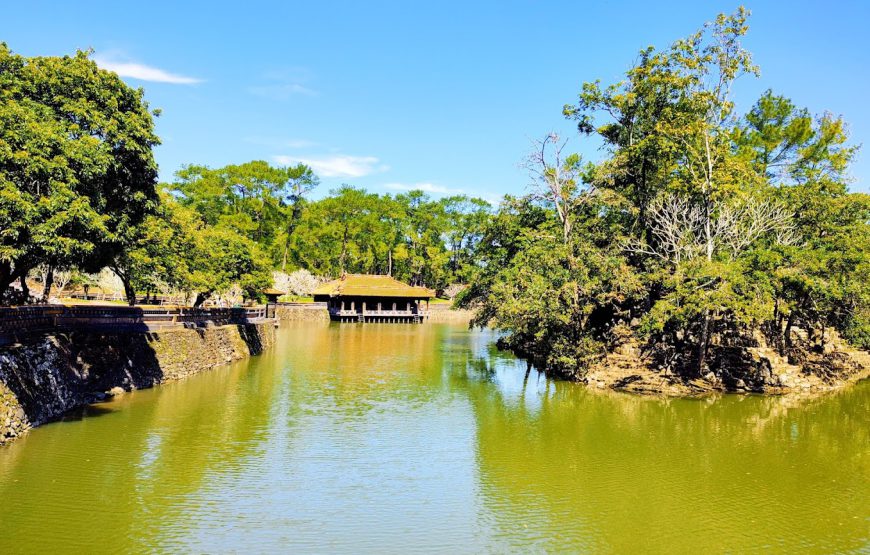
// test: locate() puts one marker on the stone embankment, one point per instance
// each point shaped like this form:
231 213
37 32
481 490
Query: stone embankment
446 313
317 312
46 376
309 312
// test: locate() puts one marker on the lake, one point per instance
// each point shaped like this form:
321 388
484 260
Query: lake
392 438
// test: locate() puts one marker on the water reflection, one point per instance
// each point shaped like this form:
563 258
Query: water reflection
615 472
392 438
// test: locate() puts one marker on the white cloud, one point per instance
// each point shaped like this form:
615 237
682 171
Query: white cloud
337 166
281 84
425 187
282 91
144 72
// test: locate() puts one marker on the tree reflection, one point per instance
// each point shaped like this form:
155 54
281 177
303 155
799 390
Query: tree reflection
585 469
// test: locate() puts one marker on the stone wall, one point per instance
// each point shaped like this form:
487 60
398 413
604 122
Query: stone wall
445 313
300 312
47 376
437 313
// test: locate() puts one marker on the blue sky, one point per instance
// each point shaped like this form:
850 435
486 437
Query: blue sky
440 95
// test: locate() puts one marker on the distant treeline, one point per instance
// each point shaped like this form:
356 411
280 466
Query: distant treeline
79 193
410 236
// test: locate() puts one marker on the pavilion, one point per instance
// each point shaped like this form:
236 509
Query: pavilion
372 298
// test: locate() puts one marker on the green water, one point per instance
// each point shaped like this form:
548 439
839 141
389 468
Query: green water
402 439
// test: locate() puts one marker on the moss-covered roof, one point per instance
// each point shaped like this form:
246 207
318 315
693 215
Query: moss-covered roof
364 285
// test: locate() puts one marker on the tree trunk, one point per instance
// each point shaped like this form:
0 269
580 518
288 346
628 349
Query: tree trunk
291 227
24 289
703 339
201 297
129 291
787 333
343 248
7 276
49 281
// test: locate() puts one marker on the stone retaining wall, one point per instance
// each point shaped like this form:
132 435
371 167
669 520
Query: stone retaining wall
440 313
47 376
315 312
297 312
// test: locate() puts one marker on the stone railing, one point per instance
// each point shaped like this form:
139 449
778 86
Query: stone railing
15 321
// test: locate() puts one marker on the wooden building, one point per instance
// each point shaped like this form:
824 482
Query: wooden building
370 298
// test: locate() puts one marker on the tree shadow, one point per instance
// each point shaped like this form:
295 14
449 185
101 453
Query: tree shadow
86 411
77 363
250 334
52 375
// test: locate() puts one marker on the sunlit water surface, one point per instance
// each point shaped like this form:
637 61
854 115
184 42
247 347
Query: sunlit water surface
401 439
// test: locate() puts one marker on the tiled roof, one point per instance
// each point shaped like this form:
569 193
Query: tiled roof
364 285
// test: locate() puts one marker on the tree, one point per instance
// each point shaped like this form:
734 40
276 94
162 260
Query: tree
557 299
224 259
821 277
300 181
714 226
76 166
299 283
674 118
163 249
259 201
557 180
465 222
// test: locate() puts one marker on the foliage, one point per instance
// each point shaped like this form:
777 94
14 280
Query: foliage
256 200
76 168
698 224
409 236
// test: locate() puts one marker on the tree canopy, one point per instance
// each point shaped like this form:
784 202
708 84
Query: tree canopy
76 165
699 223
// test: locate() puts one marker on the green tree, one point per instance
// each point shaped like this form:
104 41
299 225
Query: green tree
76 166
163 249
466 219
259 201
820 280
711 225
226 258
300 181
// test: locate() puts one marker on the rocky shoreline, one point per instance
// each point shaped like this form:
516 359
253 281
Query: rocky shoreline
741 365
751 368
